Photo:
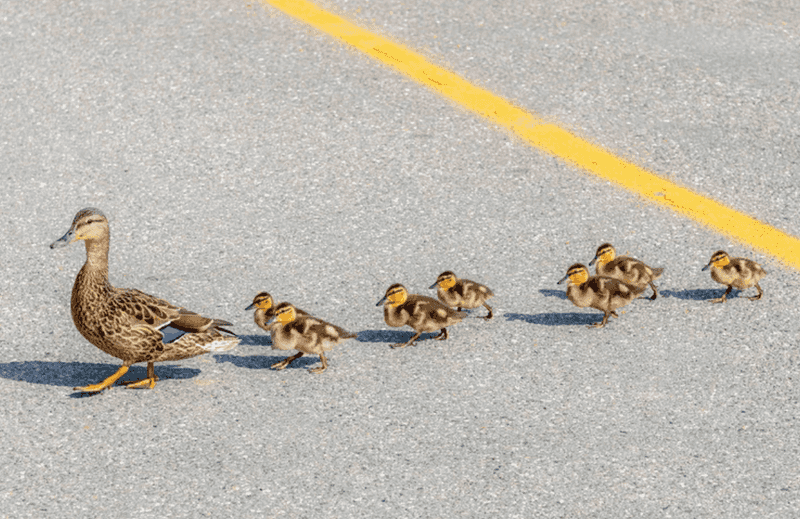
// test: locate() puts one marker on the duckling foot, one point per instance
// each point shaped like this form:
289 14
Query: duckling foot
285 363
758 296
724 296
655 292
321 368
605 320
104 384
490 311
404 344
442 335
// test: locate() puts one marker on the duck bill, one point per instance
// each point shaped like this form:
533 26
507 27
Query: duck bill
593 261
64 240
706 267
563 279
253 305
434 285
383 300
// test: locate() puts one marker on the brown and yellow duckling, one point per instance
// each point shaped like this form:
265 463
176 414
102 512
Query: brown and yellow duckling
422 313
462 293
291 330
129 324
265 310
625 269
603 293
738 273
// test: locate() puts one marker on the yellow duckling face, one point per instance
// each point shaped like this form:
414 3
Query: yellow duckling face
395 295
284 313
604 254
263 301
446 280
719 260
577 275
89 224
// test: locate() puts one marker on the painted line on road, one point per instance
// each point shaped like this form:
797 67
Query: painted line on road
549 137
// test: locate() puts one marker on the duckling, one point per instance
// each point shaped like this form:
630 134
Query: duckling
265 309
291 330
422 313
625 269
738 273
462 293
129 324
603 293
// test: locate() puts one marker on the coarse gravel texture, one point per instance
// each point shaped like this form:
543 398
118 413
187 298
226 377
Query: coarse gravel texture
235 150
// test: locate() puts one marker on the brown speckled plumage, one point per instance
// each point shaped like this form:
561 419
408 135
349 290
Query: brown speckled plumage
629 270
463 293
422 313
128 323
600 292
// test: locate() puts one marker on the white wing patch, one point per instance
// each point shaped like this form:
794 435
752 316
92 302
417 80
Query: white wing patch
222 344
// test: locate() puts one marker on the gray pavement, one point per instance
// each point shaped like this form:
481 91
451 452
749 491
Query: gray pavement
235 150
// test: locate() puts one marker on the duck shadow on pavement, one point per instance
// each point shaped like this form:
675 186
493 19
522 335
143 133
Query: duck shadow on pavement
556 319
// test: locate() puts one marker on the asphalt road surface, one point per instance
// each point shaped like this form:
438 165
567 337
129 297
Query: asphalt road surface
236 150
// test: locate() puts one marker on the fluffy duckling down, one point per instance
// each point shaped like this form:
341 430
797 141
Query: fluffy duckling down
599 292
293 331
738 273
265 310
462 293
629 270
422 313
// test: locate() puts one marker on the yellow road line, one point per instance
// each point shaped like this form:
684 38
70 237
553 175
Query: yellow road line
549 137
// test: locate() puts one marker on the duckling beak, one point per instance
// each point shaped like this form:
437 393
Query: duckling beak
434 285
383 299
563 279
704 268
253 305
592 262
64 240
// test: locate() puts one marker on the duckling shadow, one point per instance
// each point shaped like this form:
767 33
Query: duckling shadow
265 361
553 293
255 340
697 294
74 374
390 336
554 319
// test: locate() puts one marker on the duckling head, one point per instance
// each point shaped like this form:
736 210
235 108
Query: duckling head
445 280
284 313
263 301
577 274
719 260
605 253
89 224
395 295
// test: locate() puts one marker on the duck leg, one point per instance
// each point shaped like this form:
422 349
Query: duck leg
757 297
149 382
442 335
724 296
600 325
490 311
414 338
104 384
655 291
285 363
324 365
